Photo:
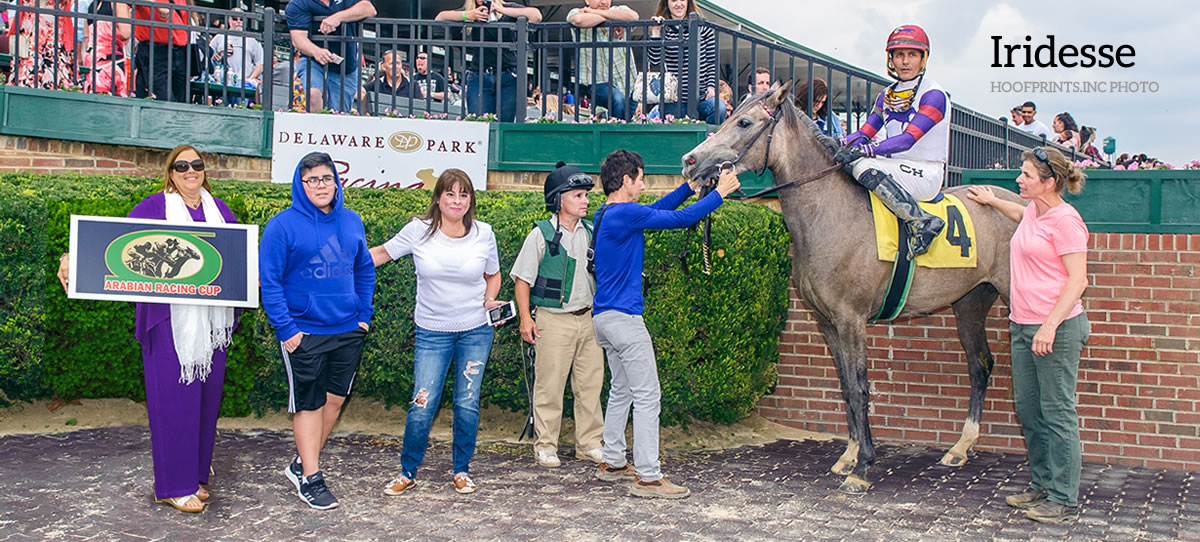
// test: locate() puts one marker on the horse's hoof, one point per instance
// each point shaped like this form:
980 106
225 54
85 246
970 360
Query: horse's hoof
854 486
952 459
843 468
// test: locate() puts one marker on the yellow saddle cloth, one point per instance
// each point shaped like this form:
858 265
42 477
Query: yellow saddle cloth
954 247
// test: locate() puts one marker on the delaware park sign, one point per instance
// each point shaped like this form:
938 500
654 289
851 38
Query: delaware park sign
381 152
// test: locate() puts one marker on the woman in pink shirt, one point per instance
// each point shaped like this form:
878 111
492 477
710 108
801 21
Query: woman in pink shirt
1048 328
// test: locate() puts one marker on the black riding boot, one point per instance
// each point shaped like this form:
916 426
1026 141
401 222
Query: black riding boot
923 226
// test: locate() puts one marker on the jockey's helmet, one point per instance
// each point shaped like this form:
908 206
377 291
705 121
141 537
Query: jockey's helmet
909 36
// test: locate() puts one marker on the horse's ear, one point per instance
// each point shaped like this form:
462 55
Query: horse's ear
786 88
780 92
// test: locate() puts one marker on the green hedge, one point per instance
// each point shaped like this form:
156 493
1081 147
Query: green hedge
716 336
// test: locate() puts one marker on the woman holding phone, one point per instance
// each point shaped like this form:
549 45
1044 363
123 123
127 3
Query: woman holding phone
458 279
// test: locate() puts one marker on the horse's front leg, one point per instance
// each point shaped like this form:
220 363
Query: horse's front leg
845 464
852 371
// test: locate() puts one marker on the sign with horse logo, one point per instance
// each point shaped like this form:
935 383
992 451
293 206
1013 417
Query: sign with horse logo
155 261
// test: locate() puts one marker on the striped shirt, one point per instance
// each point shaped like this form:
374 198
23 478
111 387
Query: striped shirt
674 57
590 74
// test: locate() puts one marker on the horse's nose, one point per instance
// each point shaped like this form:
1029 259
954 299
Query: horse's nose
689 160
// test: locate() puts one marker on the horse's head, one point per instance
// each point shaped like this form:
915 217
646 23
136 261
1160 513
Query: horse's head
740 139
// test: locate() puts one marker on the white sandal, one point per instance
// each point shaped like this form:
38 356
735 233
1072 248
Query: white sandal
181 503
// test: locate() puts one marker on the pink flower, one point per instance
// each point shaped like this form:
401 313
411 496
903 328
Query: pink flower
1119 167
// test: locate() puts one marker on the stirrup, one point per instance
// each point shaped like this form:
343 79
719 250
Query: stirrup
921 239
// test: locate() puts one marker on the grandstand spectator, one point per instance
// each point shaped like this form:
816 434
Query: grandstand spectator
166 79
726 93
391 79
760 81
1065 130
484 67
329 74
1015 114
106 51
42 59
605 70
1032 125
432 84
242 56
1087 136
673 58
820 110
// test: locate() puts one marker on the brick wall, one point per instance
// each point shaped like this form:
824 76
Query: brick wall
38 155
1139 395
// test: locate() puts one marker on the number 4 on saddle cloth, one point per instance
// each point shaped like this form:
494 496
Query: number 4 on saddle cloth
954 247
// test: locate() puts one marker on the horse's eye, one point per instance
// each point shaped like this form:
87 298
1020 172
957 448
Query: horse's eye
745 123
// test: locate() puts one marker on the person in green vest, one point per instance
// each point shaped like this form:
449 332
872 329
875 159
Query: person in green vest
552 279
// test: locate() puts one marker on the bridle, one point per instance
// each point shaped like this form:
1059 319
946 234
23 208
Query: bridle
772 122
710 185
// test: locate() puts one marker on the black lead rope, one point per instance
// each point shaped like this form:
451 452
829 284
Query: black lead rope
704 247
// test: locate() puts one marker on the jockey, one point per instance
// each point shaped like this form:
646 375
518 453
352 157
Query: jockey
909 164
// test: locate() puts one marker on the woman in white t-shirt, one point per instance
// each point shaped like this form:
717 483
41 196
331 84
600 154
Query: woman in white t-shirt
458 278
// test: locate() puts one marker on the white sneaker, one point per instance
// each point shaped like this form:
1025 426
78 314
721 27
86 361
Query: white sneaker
547 458
595 455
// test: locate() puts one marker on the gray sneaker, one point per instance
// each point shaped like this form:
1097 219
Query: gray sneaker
294 472
1026 500
314 493
1052 512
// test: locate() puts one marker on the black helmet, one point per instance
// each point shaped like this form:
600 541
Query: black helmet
563 179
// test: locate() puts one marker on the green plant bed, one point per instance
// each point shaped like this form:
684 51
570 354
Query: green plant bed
716 336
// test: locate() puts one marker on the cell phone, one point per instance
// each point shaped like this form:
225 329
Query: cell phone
337 59
498 315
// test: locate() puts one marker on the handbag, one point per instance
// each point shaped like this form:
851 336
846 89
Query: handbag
655 88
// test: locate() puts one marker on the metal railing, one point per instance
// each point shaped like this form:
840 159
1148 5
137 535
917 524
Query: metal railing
496 61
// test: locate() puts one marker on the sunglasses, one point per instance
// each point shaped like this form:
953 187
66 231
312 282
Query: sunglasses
182 165
1044 158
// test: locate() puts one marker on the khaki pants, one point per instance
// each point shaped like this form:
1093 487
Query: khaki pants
566 344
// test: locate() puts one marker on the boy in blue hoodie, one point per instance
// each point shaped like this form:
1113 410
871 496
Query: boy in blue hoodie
317 283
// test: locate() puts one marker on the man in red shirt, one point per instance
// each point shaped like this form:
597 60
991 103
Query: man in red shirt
160 59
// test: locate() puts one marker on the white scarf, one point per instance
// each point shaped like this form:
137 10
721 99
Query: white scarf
198 330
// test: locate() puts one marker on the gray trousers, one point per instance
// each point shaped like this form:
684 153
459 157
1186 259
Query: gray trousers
634 384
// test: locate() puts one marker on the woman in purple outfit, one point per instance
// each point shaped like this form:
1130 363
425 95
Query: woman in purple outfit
183 348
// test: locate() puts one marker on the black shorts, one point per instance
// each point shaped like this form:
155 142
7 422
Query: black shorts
322 364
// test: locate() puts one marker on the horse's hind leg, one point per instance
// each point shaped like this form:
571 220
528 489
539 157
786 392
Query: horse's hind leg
970 312
845 464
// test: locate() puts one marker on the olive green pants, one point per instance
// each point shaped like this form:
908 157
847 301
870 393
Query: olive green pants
1044 393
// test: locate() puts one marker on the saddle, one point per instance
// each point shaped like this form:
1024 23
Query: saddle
953 247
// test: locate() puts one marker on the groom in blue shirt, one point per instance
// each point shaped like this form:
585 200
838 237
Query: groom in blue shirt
617 314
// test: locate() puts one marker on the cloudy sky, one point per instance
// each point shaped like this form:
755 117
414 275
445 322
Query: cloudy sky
1162 32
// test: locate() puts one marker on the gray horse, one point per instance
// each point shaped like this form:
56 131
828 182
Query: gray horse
835 266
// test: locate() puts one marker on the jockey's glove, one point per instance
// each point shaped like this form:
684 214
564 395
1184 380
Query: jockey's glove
850 153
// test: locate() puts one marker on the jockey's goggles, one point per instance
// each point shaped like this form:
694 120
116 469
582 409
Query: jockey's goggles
579 180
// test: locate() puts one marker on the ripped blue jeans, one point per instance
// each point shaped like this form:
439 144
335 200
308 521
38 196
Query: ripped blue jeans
435 352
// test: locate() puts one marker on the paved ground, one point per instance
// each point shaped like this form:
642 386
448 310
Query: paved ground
96 484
